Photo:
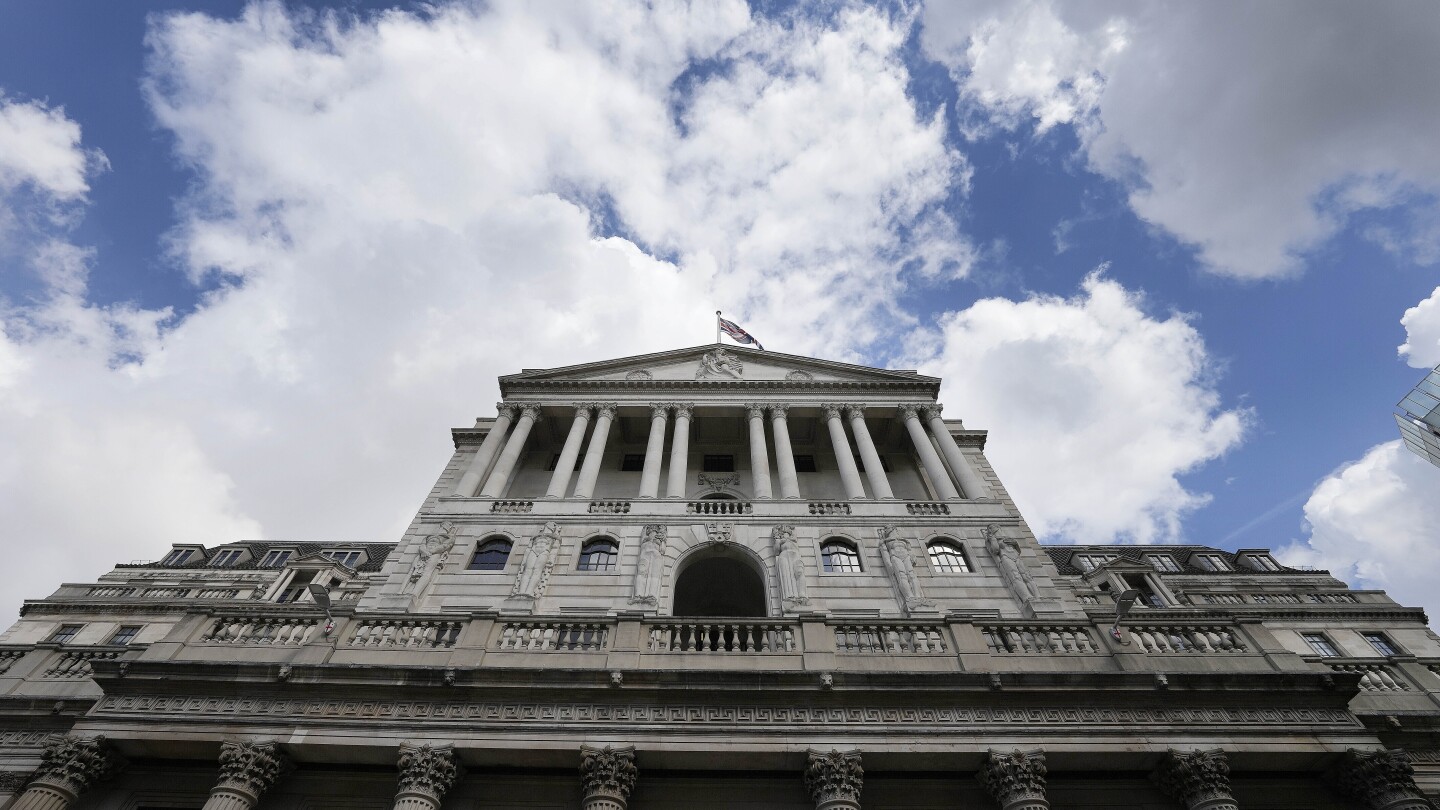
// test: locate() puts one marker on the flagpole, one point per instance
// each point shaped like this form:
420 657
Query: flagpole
717 327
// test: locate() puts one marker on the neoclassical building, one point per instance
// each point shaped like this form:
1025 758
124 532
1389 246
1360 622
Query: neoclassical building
717 578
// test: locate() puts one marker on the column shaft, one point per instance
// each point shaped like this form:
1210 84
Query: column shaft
759 454
934 467
654 451
970 482
844 459
565 467
500 476
223 799
470 481
679 453
595 452
40 796
784 455
874 469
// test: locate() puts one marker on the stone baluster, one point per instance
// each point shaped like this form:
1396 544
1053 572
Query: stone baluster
1016 780
934 467
470 481
247 770
759 454
654 450
784 455
1379 780
500 476
834 779
874 469
1200 780
607 776
971 483
595 452
679 451
565 467
844 459
426 773
69 766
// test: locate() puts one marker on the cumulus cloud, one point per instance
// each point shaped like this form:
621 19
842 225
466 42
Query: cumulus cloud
1372 523
1191 106
1422 332
1102 407
40 147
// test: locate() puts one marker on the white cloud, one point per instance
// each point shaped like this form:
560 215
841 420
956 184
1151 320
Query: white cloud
1372 523
1102 407
40 147
1422 332
1237 129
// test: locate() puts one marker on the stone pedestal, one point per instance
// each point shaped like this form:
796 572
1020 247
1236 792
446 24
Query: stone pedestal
1016 780
68 767
247 770
607 776
426 773
1379 780
1199 780
835 780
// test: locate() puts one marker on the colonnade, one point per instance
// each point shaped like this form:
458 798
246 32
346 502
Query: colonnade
1015 780
949 471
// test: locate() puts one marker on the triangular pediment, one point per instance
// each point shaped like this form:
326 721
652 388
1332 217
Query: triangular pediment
716 364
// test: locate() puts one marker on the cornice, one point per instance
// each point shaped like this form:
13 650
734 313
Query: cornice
722 385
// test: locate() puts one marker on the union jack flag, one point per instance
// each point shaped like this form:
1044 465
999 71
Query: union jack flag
737 334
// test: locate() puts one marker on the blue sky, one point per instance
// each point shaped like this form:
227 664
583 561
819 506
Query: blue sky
1162 254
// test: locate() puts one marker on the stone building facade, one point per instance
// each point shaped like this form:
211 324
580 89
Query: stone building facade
717 578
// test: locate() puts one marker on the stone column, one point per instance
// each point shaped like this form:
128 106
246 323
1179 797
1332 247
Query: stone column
759 454
470 481
1199 780
654 450
679 452
595 452
500 476
1379 780
426 773
874 469
784 455
1016 780
607 776
970 481
849 473
934 468
560 479
247 770
834 779
69 766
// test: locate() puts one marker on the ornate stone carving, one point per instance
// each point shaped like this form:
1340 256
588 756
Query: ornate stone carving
646 587
718 482
534 572
435 547
796 375
604 409
71 765
832 409
607 775
755 410
505 409
1200 780
1006 551
249 769
907 411
14 781
1379 780
659 409
789 566
426 773
777 411
684 409
532 411
639 374
853 410
719 532
834 779
899 558
1016 780
720 364
933 409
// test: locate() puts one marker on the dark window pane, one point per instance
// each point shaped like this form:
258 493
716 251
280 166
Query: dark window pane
838 556
719 464
805 464
599 555
491 556
948 558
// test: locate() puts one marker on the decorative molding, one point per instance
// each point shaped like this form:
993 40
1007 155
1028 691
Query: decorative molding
720 532
718 482
639 375
426 770
1379 780
73 764
797 375
607 776
1200 780
250 768
834 779
1016 780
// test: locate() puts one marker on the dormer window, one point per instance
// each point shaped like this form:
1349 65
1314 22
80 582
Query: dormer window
1089 562
349 559
226 558
275 559
1164 563
1210 562
179 556
1261 562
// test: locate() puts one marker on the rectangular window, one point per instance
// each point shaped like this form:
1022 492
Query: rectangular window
226 557
1210 562
1262 562
805 464
1163 563
345 558
1321 645
632 462
275 559
65 634
125 634
178 556
1381 643
718 463
1089 562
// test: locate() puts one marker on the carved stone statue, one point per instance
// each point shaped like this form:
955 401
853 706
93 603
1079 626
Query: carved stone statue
435 547
649 567
539 557
790 566
1006 551
899 559
720 363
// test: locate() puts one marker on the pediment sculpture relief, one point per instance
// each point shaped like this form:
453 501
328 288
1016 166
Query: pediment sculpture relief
720 364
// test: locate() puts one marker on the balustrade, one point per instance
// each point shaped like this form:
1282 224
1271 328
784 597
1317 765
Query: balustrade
75 664
166 593
892 639
1049 639
829 508
542 636
273 630
512 507
410 634
217 593
9 657
111 591
1374 677
609 507
1332 598
718 507
1167 640
927 508
700 636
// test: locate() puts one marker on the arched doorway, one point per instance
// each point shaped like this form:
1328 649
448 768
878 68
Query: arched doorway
720 583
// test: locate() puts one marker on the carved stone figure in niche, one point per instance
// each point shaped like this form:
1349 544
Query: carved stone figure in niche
436 548
539 557
650 566
899 559
719 363
790 566
1006 551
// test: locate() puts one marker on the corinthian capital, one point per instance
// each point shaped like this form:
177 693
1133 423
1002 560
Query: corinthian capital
605 409
427 771
932 411
505 409
855 410
660 409
532 410
683 409
755 410
777 411
608 775
834 779
74 764
1197 779
1379 779
582 409
907 411
250 768
832 410
1016 780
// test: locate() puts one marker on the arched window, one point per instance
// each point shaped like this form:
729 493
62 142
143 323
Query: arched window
599 554
839 556
491 555
948 558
